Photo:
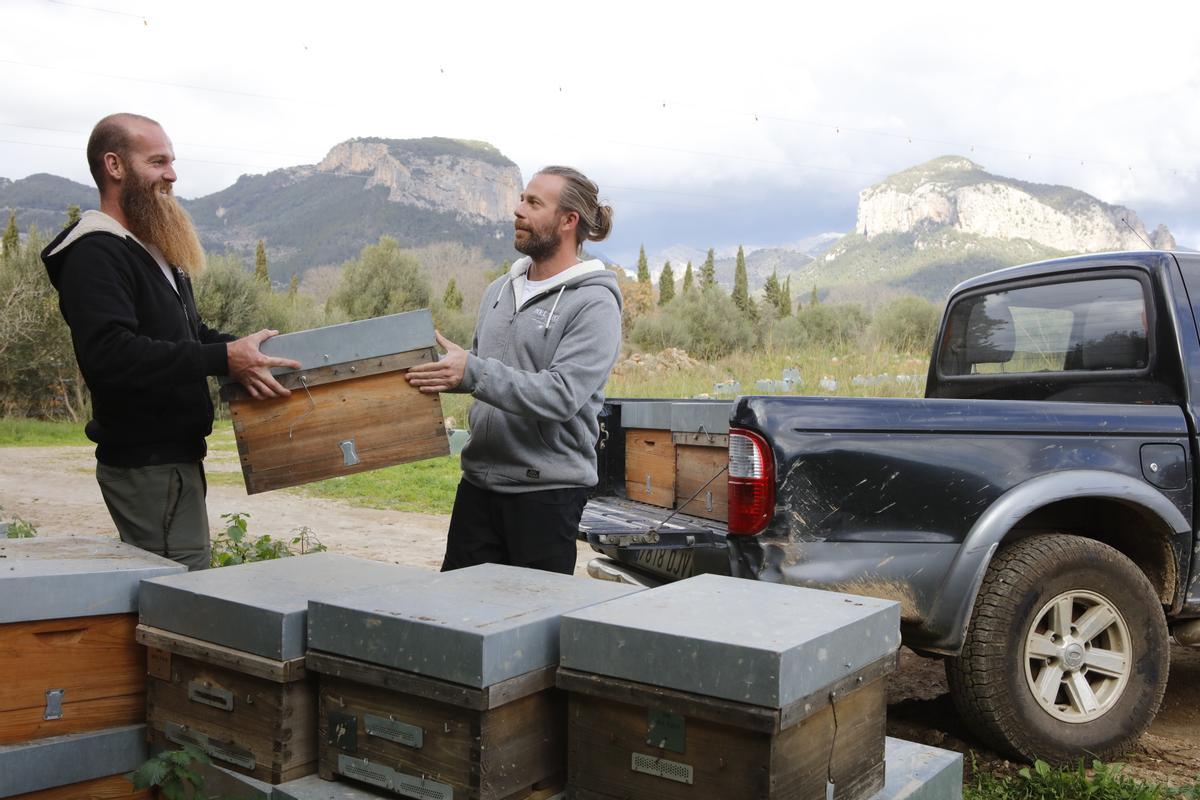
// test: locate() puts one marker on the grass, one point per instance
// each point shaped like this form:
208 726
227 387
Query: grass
1099 782
425 486
20 432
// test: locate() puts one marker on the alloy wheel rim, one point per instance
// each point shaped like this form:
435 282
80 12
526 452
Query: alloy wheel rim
1078 656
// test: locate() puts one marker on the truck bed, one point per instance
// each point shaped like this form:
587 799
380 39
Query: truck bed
655 540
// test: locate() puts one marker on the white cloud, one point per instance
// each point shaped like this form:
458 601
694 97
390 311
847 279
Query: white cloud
687 109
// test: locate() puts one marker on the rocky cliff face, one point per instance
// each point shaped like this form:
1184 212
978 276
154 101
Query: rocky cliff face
955 192
446 175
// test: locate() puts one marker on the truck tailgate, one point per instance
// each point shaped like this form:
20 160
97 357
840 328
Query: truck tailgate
654 539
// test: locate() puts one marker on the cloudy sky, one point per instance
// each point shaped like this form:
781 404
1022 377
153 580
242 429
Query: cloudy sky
706 124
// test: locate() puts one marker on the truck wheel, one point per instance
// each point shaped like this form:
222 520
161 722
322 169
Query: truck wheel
1066 655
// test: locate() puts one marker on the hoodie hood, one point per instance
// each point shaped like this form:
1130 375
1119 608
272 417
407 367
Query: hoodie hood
585 273
91 222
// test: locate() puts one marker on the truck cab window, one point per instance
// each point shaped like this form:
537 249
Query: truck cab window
1088 325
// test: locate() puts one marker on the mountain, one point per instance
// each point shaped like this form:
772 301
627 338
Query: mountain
419 191
927 228
42 200
761 260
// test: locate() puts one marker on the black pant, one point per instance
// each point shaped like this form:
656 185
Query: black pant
529 529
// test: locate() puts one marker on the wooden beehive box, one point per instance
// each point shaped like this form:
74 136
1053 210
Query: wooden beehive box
77 766
67 650
717 687
448 691
700 432
227 668
350 409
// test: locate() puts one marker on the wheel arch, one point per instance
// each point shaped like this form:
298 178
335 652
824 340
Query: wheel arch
1111 503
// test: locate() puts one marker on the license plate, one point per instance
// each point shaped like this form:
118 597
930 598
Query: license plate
674 563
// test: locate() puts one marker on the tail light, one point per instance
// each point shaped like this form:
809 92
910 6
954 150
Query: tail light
751 482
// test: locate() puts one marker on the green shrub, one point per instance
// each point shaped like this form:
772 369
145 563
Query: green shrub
707 325
907 323
235 546
833 326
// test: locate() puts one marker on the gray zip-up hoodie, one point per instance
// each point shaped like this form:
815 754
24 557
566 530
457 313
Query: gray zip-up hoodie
537 372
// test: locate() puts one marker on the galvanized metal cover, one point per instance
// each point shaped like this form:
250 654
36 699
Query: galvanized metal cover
63 760
754 642
262 607
475 626
655 414
313 787
353 341
711 417
919 772
57 577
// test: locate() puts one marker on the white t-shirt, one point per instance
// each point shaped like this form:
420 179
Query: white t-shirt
534 287
167 272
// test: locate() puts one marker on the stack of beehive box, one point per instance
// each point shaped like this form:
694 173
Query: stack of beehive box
73 697
227 671
447 690
676 454
718 687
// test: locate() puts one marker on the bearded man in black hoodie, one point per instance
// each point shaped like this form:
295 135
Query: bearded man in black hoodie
123 276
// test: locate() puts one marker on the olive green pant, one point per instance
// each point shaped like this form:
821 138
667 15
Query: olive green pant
160 509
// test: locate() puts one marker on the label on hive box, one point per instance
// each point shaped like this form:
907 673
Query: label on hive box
662 768
387 778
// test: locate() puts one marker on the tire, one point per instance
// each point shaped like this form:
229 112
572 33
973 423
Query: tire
1066 654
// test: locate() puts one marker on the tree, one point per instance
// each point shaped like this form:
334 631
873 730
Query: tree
708 271
294 284
666 285
452 298
12 239
813 300
741 286
785 298
772 289
73 215
688 280
643 272
384 279
260 264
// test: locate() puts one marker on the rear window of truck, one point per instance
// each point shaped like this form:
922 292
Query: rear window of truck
1080 325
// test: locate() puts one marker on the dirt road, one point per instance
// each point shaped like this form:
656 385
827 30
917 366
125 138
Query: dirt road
55 488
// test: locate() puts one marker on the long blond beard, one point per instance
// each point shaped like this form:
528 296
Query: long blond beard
158 219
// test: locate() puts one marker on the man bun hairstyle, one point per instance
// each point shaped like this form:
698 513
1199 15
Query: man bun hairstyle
582 195
111 135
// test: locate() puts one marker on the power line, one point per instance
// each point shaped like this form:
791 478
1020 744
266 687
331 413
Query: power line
134 79
186 144
142 17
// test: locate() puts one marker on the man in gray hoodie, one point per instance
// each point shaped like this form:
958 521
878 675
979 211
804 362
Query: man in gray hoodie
547 335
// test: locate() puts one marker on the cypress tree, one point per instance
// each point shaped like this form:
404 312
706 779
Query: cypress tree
708 271
643 273
813 300
772 290
741 286
452 298
785 298
12 239
688 280
260 264
666 285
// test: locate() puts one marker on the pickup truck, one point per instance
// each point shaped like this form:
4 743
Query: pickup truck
1033 514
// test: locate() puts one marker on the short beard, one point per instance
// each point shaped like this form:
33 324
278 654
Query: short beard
538 245
158 219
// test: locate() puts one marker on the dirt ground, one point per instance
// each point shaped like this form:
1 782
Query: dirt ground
55 489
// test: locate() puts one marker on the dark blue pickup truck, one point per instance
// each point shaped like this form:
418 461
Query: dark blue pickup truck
1033 514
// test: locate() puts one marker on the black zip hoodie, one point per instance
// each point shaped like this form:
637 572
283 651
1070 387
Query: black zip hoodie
141 347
